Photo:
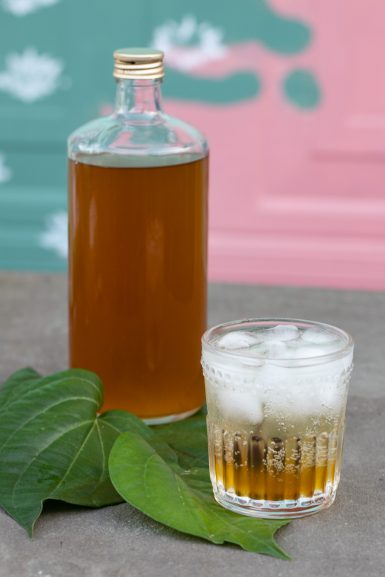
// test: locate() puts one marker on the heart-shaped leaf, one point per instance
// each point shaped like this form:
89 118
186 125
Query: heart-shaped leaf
53 445
181 497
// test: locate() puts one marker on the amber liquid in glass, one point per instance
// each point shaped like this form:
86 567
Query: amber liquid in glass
137 279
251 464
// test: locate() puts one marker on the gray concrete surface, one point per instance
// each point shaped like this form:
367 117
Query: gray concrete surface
346 540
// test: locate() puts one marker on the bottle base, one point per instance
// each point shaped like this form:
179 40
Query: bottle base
171 418
285 509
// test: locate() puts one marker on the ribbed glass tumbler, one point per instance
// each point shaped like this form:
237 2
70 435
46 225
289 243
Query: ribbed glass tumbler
276 395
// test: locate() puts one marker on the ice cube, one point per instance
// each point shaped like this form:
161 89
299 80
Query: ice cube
301 391
276 350
318 336
280 333
272 375
241 405
294 400
258 351
304 350
238 340
332 396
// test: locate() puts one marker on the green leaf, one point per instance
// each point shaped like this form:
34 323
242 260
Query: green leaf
53 445
181 496
10 390
188 439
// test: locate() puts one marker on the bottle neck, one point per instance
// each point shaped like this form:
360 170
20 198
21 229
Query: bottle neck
138 96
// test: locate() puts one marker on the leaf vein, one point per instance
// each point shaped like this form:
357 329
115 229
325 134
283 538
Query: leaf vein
48 408
22 474
48 384
70 467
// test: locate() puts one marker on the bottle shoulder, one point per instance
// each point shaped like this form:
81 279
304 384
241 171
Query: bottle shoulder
136 140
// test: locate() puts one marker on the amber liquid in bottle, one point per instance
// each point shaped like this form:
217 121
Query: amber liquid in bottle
137 243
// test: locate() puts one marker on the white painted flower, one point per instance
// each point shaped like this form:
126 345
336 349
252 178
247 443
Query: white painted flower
5 171
23 7
55 236
30 76
189 43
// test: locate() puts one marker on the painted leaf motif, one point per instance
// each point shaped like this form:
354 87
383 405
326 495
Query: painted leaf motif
30 76
5 171
24 7
55 236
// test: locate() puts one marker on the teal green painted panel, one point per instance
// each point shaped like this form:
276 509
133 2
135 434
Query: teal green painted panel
67 48
35 166
56 74
241 21
33 228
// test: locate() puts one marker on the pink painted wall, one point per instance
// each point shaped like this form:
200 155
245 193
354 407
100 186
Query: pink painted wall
298 196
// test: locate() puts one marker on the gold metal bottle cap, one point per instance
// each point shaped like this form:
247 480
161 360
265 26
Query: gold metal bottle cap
138 63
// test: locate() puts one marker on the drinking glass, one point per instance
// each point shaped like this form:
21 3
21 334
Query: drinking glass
276 396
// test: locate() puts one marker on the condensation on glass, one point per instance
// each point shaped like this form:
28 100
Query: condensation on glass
276 396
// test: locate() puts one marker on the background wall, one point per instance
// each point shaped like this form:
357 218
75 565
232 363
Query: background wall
290 94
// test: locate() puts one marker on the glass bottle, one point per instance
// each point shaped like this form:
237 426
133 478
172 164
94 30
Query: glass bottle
138 184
